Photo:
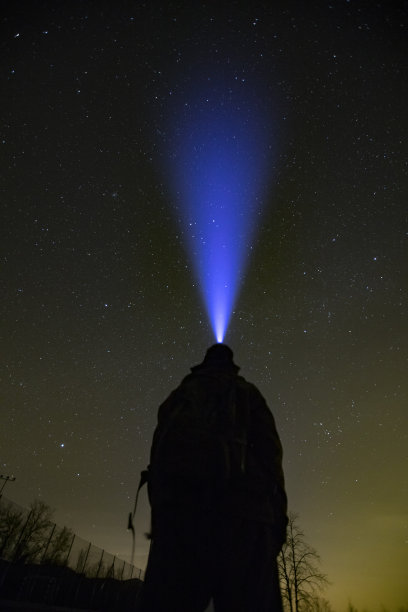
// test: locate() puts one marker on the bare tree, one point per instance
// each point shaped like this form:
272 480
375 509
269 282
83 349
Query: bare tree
321 605
35 532
11 522
58 546
299 572
32 537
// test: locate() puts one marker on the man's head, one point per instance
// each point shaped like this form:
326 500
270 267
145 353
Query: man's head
219 353
219 356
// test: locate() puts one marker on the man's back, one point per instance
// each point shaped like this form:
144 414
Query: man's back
216 431
216 482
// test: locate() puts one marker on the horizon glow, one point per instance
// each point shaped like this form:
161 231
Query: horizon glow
218 165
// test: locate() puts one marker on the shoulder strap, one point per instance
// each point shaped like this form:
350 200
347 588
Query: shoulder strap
240 415
144 476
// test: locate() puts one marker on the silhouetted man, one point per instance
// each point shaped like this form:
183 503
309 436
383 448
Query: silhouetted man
216 489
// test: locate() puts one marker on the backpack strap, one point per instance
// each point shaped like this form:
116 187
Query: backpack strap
239 415
144 476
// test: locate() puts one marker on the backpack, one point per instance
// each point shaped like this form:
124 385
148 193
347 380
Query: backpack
210 446
199 446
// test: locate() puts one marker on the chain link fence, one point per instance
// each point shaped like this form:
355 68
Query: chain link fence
45 563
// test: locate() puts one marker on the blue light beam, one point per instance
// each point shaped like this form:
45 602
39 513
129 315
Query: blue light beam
218 163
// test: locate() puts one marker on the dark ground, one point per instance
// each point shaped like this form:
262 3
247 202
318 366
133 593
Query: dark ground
23 606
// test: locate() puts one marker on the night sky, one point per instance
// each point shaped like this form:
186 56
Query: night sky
102 315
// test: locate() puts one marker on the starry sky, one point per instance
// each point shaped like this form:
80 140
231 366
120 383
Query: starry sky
102 315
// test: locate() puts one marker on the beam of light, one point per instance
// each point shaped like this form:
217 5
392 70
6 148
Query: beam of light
218 160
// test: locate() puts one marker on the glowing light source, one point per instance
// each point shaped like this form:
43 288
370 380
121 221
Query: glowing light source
219 157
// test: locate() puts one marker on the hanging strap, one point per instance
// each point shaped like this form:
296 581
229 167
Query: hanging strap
144 476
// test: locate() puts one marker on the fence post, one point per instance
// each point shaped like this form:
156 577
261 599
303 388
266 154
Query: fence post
82 573
69 550
86 558
21 537
100 565
123 569
111 571
48 543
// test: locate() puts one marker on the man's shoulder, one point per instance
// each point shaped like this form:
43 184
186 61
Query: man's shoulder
205 375
208 381
248 386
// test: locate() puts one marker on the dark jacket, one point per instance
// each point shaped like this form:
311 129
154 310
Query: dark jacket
257 494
